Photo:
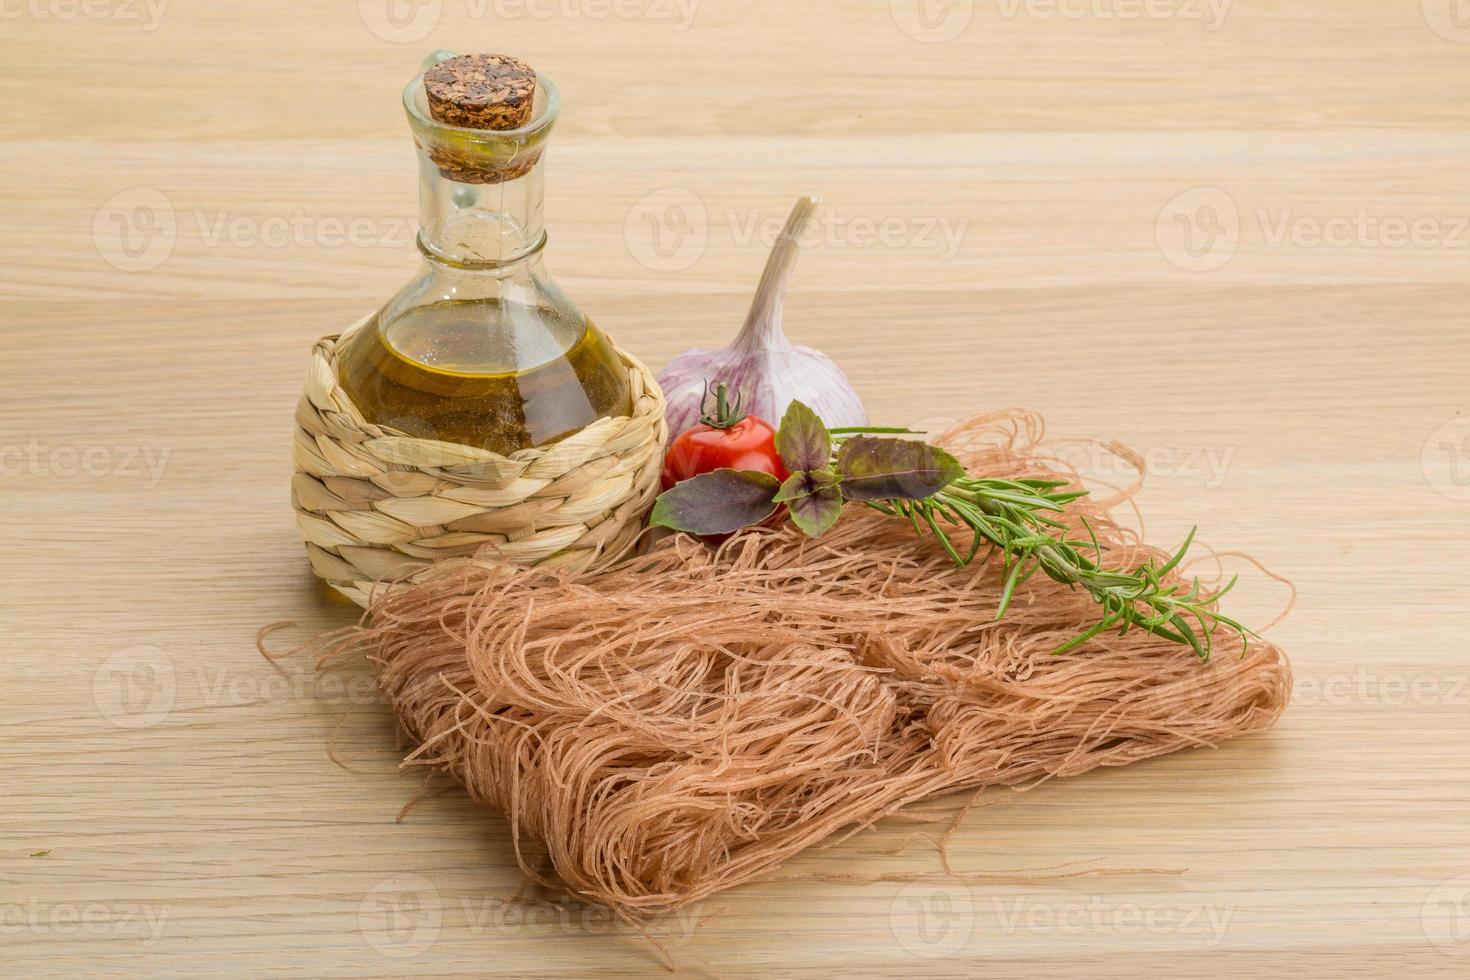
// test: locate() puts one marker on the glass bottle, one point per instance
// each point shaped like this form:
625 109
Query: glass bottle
482 348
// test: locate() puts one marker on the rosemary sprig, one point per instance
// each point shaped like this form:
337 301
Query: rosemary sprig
1016 518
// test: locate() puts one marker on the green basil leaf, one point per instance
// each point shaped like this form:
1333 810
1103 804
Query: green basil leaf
894 469
816 512
802 440
717 502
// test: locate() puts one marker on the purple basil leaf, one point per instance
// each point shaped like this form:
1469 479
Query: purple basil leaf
825 478
816 512
889 469
805 484
802 440
797 485
717 502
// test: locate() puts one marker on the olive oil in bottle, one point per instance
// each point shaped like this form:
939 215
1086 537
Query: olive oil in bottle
438 373
482 348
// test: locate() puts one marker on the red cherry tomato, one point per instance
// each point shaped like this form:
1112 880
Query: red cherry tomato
723 439
749 444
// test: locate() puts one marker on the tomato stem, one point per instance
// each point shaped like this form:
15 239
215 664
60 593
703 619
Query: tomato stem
725 414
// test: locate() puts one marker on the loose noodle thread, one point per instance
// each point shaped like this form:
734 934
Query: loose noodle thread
694 717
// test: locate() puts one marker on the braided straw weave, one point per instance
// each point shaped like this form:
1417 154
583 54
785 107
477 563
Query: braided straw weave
375 504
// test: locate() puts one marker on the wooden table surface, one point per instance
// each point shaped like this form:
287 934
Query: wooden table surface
1234 236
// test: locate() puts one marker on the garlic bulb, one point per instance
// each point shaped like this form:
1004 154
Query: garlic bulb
761 366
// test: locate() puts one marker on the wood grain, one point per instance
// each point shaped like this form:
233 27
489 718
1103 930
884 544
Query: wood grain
1302 397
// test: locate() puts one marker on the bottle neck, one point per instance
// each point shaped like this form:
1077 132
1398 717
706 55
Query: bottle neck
481 226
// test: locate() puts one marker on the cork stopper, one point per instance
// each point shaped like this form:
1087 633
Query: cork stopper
481 91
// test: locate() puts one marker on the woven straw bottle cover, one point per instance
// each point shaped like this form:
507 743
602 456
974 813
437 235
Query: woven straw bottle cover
375 504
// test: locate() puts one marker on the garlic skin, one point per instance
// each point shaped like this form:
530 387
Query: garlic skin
764 369
766 378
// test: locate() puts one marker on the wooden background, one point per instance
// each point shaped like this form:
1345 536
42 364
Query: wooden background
1233 236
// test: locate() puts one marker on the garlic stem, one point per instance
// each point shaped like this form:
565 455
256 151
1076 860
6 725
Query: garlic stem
762 330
